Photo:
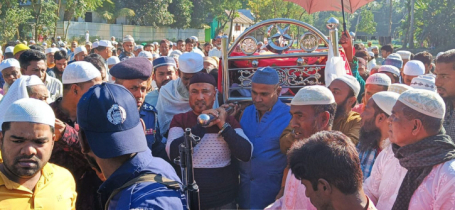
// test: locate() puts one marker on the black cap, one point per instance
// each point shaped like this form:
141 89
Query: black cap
133 68
202 77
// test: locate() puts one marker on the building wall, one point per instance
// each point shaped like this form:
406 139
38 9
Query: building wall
140 33
235 33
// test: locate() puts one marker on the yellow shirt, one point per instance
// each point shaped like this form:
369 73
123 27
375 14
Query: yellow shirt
349 126
55 190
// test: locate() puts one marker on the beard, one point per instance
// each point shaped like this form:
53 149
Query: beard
369 137
341 109
14 168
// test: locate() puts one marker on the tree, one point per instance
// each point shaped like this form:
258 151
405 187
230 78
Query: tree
411 24
148 12
12 18
225 12
78 8
181 9
109 12
367 23
44 13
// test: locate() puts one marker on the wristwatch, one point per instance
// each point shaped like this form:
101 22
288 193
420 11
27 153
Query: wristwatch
223 128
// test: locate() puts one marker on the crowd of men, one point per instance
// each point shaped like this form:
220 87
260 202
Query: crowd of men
99 127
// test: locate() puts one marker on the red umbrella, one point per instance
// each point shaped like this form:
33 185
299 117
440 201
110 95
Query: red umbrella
312 6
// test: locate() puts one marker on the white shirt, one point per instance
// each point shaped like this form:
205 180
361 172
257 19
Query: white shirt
198 51
215 52
437 190
55 88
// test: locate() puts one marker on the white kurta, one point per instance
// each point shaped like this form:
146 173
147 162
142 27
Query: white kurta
437 190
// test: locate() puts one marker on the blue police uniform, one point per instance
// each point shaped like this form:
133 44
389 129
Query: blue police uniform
143 195
148 114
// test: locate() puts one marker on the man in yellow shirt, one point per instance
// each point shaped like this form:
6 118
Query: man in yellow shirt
27 180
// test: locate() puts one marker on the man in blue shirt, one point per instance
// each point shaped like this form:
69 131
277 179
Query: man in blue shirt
263 123
164 70
113 141
134 74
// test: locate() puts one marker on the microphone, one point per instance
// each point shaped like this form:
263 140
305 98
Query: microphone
206 119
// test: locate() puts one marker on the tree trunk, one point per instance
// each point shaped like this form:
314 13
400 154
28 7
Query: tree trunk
66 31
390 18
411 25
358 21
58 14
37 22
232 24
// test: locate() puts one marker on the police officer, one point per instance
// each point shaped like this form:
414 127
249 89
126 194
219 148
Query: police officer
134 74
112 140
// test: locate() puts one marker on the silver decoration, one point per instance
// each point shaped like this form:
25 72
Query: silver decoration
249 45
280 37
292 76
300 61
309 42
255 63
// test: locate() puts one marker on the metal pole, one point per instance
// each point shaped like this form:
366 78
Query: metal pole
342 11
225 73
332 25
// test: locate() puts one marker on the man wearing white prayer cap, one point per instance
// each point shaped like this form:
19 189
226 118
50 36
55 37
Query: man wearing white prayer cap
104 49
346 89
412 69
9 52
174 96
80 53
399 88
50 56
372 63
405 56
375 83
11 71
88 46
146 54
26 143
128 45
24 87
94 46
313 110
138 49
112 61
425 82
420 155
374 132
391 71
77 79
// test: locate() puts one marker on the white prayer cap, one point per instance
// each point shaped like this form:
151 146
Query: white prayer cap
414 68
30 110
95 45
32 42
440 53
351 82
145 54
113 60
128 38
10 62
79 50
399 88
313 95
44 44
379 79
137 47
389 68
32 80
155 43
105 43
404 54
194 38
371 54
155 55
175 54
58 37
51 50
424 101
9 49
424 82
79 71
375 47
191 62
386 100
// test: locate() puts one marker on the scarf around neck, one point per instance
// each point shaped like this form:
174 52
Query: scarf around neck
419 159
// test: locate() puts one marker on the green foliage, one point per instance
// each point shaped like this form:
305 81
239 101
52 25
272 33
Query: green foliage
46 17
148 12
367 23
181 9
12 18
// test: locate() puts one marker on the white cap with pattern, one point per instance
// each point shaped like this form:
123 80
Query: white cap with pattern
113 60
389 68
399 88
424 101
79 71
10 62
425 82
404 54
313 95
386 100
105 43
145 54
80 49
128 38
351 82
51 50
30 110
379 79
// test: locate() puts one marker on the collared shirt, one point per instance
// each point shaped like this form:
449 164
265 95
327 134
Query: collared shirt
144 195
149 115
260 178
436 191
123 56
152 97
215 52
359 108
349 126
294 197
55 189
55 88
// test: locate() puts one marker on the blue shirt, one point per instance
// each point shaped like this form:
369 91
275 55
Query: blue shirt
148 114
145 195
260 178
2 81
152 97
